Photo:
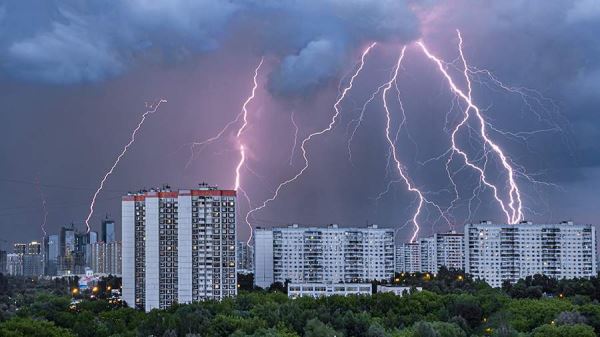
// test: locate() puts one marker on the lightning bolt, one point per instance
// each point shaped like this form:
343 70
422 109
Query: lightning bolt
512 208
358 121
153 109
243 115
295 138
421 199
305 141
249 99
239 167
44 209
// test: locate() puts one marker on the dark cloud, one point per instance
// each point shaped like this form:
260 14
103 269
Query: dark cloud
91 41
139 50
73 41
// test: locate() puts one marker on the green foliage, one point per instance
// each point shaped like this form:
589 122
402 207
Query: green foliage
527 314
26 327
550 330
316 328
449 306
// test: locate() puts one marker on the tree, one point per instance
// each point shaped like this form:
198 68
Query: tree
424 329
376 330
444 329
505 331
246 281
570 318
278 286
527 314
467 307
551 330
27 327
316 328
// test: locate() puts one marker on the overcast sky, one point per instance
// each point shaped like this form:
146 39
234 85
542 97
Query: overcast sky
75 77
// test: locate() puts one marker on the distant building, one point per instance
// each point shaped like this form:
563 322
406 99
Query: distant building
33 264
14 264
34 248
450 251
245 258
506 252
52 254
263 258
66 257
105 258
114 258
3 262
323 254
98 257
317 290
29 260
20 248
428 255
408 257
73 256
178 246
398 291
108 231
85 243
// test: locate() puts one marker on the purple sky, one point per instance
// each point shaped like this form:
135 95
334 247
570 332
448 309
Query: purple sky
75 76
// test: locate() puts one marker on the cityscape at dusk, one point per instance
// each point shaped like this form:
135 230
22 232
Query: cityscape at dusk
236 167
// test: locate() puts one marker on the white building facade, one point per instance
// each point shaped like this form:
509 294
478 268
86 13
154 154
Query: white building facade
502 252
408 257
245 257
317 290
105 258
450 250
398 291
323 254
178 246
428 255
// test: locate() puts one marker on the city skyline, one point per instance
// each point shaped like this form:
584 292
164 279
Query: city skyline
60 149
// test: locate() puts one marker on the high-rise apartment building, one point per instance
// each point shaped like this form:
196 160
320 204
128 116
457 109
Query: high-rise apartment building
245 257
408 257
178 246
105 258
505 252
428 255
263 257
323 255
450 251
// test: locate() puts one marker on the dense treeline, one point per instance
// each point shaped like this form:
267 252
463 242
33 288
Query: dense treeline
451 305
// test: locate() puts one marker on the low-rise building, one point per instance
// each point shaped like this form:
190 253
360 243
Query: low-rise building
317 290
398 291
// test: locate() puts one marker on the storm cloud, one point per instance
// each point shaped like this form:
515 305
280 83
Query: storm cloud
86 41
74 75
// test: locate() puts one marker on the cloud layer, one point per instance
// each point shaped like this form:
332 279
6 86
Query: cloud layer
69 42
